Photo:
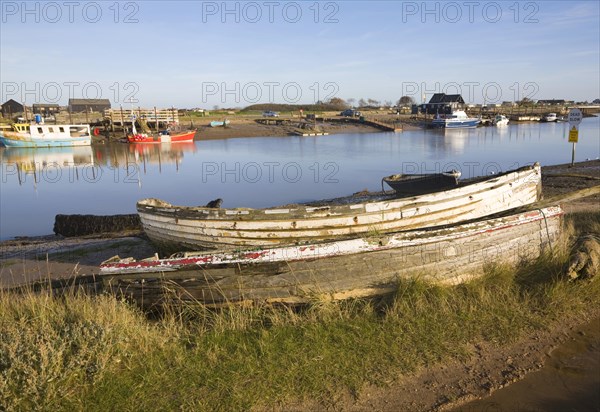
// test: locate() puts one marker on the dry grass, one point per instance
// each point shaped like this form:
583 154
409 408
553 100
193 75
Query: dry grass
99 353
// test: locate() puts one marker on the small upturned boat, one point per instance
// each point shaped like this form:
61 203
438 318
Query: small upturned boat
216 123
500 120
46 135
176 228
359 267
457 120
415 184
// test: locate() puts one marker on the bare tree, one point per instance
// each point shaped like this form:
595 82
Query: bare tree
338 103
406 101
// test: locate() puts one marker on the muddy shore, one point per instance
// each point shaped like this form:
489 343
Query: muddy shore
448 386
250 128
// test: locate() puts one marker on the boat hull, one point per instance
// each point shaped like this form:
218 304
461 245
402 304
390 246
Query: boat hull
9 140
343 269
175 228
420 184
175 138
464 124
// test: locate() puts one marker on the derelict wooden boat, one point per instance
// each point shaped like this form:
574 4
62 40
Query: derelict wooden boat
337 270
416 184
177 228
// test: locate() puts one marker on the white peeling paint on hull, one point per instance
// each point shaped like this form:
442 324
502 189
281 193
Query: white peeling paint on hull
337 270
191 228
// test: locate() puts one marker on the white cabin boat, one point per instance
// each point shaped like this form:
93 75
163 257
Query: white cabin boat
46 135
550 117
500 120
458 119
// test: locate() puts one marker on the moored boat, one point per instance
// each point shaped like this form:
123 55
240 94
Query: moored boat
46 135
413 184
550 117
176 228
500 120
358 267
457 120
169 137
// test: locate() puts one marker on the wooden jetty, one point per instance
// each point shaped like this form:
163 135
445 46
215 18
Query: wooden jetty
154 116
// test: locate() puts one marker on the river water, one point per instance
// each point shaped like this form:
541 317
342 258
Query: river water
37 184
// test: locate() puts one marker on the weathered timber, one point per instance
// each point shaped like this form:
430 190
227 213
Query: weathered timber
178 228
336 270
82 225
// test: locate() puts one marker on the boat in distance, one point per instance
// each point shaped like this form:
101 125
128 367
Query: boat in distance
414 184
360 267
177 228
219 123
46 135
500 120
457 120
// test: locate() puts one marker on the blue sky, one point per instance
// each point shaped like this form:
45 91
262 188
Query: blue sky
232 54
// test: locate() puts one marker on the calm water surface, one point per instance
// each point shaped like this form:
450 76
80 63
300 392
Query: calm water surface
37 184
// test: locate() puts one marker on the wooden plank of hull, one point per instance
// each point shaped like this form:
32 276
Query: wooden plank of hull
183 228
357 267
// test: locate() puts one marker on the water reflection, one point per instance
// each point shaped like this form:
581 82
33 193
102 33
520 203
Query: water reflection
44 164
49 164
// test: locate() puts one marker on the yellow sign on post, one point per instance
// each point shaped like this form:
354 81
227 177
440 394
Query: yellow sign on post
573 134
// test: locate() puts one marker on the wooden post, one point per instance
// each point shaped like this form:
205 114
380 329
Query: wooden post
123 123
155 120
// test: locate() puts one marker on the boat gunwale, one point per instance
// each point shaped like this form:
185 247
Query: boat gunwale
236 214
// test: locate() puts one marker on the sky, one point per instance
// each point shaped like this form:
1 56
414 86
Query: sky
234 54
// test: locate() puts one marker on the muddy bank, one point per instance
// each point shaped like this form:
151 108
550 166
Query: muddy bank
250 128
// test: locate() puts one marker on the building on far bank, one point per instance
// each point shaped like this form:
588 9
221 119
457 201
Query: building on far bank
441 103
88 105
46 109
554 102
12 108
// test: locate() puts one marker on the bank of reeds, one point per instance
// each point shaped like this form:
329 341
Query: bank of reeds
101 353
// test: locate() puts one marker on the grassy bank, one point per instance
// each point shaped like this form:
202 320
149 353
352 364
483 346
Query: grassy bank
100 353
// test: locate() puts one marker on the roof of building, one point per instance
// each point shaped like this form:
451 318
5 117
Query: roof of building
12 102
446 98
46 104
89 101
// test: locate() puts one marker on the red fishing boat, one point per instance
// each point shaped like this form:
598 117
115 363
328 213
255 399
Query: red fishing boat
162 137
172 135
